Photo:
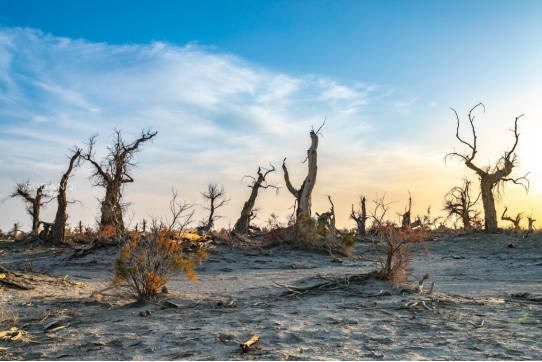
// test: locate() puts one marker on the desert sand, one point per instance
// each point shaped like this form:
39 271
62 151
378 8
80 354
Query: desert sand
478 309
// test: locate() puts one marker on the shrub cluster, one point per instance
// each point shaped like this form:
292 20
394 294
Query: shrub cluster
395 260
148 262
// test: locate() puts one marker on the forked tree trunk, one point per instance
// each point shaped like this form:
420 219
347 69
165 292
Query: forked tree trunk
303 195
243 223
59 225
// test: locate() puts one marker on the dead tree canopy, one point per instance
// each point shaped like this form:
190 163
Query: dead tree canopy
458 202
247 213
492 177
360 217
515 221
304 193
113 172
216 197
59 225
33 203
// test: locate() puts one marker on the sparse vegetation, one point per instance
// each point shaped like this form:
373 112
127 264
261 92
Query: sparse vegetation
147 263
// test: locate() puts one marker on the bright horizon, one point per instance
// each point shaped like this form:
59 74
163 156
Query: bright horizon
237 85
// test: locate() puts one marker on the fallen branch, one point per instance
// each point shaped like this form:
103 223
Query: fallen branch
245 346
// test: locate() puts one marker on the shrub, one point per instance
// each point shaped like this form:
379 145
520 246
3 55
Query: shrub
307 233
397 249
147 263
348 240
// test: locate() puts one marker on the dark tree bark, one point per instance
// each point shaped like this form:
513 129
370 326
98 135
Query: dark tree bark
112 173
58 229
492 178
34 203
304 194
216 196
458 202
515 221
242 225
360 217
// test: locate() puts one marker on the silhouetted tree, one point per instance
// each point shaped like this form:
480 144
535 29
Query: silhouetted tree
360 217
458 202
492 177
515 221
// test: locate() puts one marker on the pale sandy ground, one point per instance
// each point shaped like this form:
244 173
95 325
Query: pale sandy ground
237 300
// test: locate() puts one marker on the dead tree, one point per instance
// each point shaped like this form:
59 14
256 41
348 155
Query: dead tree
405 218
379 211
247 213
531 222
216 196
329 217
59 225
515 221
458 202
112 173
33 203
493 177
360 217
303 195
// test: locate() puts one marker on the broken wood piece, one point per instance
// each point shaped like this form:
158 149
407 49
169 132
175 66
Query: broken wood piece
432 291
56 321
17 335
245 346
58 328
13 284
475 326
6 333
169 304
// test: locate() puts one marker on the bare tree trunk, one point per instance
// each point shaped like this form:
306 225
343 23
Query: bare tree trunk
303 195
243 223
488 200
360 217
111 209
59 225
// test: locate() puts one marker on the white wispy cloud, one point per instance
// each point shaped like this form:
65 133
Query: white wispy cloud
218 117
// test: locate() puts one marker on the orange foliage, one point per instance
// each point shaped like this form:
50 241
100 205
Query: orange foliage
397 244
147 263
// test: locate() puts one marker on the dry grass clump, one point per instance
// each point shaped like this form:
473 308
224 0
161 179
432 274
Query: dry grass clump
147 263
394 259
8 318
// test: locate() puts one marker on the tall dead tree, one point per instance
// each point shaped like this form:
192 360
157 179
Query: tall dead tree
303 194
458 202
112 173
492 177
360 217
405 218
515 221
33 203
59 225
247 213
216 196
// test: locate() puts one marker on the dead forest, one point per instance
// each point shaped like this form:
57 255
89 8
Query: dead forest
144 258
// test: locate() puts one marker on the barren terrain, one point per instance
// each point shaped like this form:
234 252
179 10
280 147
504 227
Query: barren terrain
477 310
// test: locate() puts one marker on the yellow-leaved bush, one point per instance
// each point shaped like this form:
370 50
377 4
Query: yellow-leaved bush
147 263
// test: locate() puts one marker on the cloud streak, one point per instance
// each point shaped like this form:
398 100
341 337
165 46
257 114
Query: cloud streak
219 117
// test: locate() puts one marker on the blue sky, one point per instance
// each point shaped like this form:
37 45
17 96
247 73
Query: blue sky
231 85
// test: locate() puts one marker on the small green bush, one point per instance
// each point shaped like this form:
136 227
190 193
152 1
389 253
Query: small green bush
348 240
